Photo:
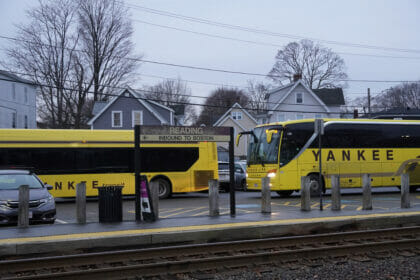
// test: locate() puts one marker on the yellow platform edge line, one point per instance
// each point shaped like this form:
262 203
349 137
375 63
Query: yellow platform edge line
125 233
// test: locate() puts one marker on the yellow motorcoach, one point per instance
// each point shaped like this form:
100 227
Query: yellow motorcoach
285 151
63 158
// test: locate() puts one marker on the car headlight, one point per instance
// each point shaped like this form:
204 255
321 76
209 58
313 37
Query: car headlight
48 199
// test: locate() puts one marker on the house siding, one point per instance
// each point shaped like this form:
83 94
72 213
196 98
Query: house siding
241 149
289 110
19 105
126 105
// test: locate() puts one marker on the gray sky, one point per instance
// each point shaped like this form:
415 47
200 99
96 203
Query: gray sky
391 24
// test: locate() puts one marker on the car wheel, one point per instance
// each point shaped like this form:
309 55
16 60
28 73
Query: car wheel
164 188
284 193
243 185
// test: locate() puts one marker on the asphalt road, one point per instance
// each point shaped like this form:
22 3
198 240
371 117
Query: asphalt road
197 204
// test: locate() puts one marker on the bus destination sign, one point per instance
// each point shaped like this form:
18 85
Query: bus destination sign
184 134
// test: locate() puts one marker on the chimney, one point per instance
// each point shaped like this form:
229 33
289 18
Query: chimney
297 77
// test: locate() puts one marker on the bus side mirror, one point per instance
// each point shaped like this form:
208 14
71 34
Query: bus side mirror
269 134
237 139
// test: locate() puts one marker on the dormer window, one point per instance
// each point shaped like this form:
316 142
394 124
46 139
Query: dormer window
299 98
237 115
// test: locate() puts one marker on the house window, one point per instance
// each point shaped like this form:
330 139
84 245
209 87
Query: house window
26 122
137 117
14 91
14 118
299 98
116 118
237 115
299 116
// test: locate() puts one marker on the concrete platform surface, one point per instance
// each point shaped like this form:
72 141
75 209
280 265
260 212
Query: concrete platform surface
67 238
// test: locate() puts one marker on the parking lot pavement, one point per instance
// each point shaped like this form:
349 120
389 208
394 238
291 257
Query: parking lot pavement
196 204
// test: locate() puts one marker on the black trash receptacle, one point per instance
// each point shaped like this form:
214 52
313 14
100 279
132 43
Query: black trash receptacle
110 204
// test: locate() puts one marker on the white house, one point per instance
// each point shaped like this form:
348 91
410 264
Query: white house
241 120
17 102
296 101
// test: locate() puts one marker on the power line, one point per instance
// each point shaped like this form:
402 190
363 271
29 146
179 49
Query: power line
262 43
264 32
177 102
206 68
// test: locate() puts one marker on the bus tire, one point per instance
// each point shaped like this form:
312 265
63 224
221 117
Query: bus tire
413 188
164 187
315 192
284 193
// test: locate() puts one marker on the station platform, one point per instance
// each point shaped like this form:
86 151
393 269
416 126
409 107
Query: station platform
68 238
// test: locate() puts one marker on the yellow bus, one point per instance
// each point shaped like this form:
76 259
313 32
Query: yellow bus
285 151
63 158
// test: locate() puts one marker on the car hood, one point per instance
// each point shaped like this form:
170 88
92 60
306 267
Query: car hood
34 194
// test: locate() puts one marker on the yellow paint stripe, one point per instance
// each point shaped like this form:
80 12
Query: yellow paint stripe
286 203
121 233
315 204
185 211
327 205
343 206
201 213
359 208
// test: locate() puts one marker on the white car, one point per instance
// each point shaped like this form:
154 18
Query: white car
240 175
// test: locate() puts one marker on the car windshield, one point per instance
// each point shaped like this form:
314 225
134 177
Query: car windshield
261 152
223 166
14 181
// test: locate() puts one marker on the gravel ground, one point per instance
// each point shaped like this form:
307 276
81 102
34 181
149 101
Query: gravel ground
389 268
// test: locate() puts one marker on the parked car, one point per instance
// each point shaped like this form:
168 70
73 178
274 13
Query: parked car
41 202
240 175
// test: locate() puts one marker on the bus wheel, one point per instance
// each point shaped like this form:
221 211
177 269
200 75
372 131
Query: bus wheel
164 187
413 188
284 193
315 190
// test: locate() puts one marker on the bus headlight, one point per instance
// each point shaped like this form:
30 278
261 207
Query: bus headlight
246 174
271 173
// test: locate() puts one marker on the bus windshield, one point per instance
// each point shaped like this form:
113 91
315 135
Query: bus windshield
261 152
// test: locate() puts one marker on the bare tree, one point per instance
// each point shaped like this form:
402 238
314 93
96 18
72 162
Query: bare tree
319 66
106 31
219 102
44 49
401 96
257 92
174 94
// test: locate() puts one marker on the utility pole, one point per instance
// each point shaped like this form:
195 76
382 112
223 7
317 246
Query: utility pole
369 103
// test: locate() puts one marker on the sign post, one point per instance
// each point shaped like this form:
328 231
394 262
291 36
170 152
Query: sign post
137 169
182 134
319 129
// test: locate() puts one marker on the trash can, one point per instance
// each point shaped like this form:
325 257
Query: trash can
110 203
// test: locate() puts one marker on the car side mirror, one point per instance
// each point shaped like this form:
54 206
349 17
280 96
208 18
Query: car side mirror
49 187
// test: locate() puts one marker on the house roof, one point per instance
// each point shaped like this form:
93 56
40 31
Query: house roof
295 84
139 98
404 113
16 78
98 106
237 106
330 96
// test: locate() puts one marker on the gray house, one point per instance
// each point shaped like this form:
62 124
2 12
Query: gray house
296 101
17 102
127 109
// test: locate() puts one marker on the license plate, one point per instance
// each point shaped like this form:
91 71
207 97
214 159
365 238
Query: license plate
30 215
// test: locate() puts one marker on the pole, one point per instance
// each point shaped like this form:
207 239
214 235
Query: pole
320 132
137 168
369 102
232 174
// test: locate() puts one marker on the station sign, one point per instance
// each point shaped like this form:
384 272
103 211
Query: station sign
178 134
